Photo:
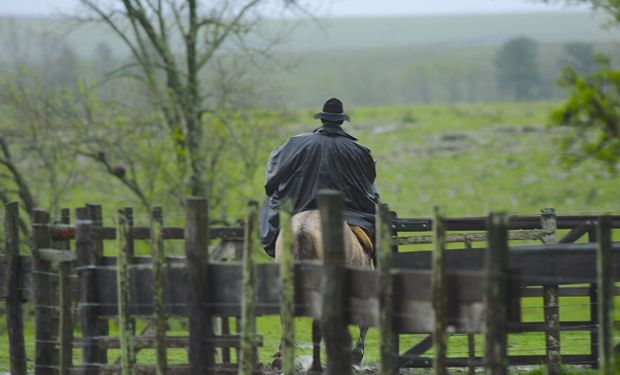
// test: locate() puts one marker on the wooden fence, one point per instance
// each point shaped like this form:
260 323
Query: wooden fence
437 292
536 278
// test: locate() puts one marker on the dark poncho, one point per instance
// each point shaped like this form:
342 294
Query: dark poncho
328 158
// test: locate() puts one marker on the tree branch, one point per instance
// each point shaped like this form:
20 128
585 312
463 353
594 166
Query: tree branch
24 191
132 184
227 30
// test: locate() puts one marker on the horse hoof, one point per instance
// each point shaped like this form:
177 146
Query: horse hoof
314 372
356 355
276 362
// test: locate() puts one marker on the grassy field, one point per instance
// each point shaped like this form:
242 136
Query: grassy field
470 159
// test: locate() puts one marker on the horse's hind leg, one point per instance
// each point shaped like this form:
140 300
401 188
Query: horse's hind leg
316 367
358 350
276 360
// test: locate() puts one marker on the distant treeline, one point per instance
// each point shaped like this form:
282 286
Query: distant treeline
358 60
521 69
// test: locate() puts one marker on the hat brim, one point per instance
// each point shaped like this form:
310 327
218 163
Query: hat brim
332 116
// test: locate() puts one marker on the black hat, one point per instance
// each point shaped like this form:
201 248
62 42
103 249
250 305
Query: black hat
332 111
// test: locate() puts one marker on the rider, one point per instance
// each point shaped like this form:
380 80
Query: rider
327 158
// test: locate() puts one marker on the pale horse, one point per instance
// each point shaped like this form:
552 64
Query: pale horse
308 244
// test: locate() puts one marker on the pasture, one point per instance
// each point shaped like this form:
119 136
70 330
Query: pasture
469 159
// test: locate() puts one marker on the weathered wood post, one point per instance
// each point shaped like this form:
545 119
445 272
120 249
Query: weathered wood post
95 214
471 354
594 307
201 351
495 354
247 353
46 322
13 290
130 225
130 246
605 281
440 336
383 225
471 337
157 255
333 319
396 343
88 302
287 282
123 291
551 294
65 334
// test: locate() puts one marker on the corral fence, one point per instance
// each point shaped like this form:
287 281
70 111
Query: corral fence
437 292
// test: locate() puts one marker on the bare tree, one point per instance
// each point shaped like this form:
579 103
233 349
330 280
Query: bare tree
35 165
172 42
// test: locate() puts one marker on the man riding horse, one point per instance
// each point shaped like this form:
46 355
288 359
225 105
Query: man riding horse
327 158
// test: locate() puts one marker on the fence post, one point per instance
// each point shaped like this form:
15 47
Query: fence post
200 351
123 292
287 280
471 337
46 323
95 214
439 294
247 358
495 358
605 281
130 224
386 305
396 343
65 335
551 294
157 254
333 319
13 290
130 247
594 311
87 296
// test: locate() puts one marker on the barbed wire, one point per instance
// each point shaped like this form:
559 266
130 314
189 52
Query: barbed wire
111 214
298 306
451 354
49 274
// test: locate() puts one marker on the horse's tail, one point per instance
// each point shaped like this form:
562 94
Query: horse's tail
305 245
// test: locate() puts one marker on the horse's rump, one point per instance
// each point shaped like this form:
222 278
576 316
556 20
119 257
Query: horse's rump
308 240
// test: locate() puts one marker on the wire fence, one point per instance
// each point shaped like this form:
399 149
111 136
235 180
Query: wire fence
576 345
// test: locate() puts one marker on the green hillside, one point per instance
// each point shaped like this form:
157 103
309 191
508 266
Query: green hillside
404 76
447 31
343 34
368 61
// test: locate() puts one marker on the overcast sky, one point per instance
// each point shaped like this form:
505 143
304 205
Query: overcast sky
336 8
